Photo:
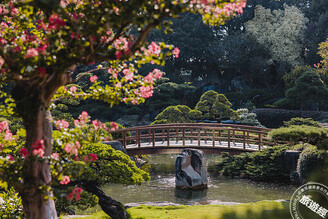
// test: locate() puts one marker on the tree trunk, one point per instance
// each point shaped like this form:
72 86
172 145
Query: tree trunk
32 104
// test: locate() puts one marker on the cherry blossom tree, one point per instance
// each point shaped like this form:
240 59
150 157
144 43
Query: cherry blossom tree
41 43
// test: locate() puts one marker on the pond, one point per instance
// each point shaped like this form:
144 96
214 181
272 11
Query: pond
162 187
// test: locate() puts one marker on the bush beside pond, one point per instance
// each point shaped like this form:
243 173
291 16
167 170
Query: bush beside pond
262 165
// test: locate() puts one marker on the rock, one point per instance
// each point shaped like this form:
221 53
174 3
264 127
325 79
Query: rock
288 161
116 145
119 147
190 170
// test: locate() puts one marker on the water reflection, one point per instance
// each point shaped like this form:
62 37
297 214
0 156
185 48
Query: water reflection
195 195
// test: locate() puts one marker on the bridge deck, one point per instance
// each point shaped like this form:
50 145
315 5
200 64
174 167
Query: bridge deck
177 146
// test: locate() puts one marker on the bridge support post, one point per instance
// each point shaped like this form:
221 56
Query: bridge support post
153 131
168 137
183 137
139 138
244 140
228 138
260 141
213 139
199 137
124 139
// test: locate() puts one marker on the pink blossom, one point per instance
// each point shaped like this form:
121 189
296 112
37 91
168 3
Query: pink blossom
96 124
176 52
73 89
55 156
77 197
72 148
31 53
128 74
77 122
121 43
68 147
61 124
93 78
134 102
8 135
118 85
38 152
153 49
55 22
24 152
10 158
65 180
157 73
149 78
77 190
4 126
69 196
2 41
90 158
116 10
114 126
118 54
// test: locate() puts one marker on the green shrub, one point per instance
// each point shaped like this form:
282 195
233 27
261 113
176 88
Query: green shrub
173 114
294 133
262 165
195 115
215 106
247 118
302 121
311 159
11 206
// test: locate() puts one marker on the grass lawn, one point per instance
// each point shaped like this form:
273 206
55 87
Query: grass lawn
262 209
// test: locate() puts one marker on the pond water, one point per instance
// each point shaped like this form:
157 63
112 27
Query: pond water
162 187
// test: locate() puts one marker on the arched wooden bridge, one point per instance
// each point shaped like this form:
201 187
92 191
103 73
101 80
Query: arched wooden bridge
213 138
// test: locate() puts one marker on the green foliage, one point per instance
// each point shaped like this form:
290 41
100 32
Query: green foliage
215 106
173 114
247 118
300 133
308 93
11 205
262 165
111 166
291 77
195 115
311 160
302 121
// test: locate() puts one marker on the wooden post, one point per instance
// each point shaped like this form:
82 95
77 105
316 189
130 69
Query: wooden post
213 137
124 139
220 136
229 138
183 137
139 138
205 130
198 137
149 132
248 138
163 137
260 141
177 137
153 137
233 136
191 134
168 137
244 140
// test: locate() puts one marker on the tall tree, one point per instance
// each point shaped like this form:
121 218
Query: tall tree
41 42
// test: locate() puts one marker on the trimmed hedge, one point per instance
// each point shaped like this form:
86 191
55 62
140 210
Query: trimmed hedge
305 134
302 121
311 160
262 165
